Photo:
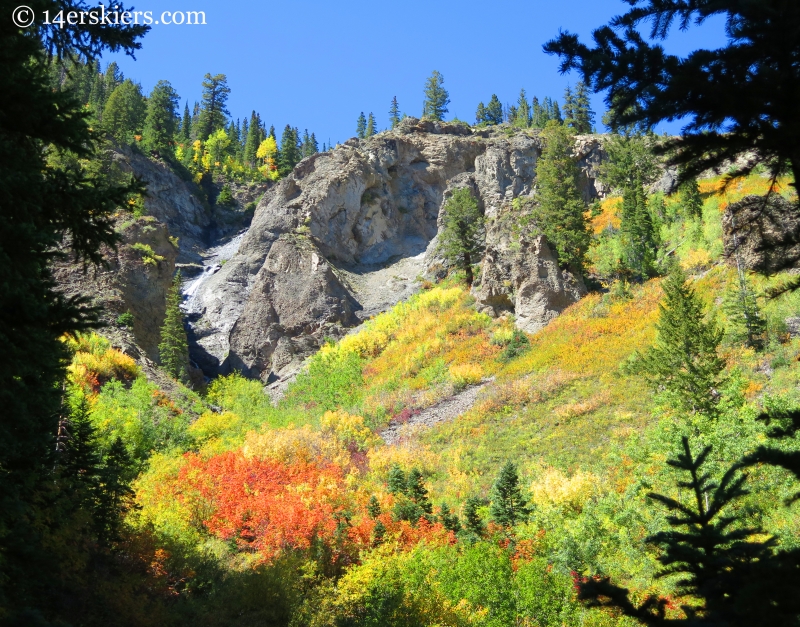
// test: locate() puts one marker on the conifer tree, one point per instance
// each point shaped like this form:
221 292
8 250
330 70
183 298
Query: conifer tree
114 494
371 129
396 481
638 236
213 111
462 237
448 519
691 200
289 154
472 520
416 491
81 460
715 557
174 347
186 126
684 356
523 116
160 120
508 506
361 126
537 114
583 116
480 113
436 98
394 113
494 111
569 108
378 533
124 113
561 210
313 146
252 141
373 507
746 322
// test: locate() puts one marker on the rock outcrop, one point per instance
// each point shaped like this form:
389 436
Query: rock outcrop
135 280
345 235
763 234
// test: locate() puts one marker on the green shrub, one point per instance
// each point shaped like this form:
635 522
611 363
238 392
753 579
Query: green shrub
125 319
518 345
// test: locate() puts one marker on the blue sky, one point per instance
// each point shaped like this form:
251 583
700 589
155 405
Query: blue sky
317 65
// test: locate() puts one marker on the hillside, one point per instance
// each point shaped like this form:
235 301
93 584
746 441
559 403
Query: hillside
285 499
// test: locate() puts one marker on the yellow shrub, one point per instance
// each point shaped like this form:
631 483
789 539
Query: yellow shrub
98 363
212 425
294 445
348 428
407 454
554 488
466 374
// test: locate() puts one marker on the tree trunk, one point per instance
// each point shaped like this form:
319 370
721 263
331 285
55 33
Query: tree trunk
468 269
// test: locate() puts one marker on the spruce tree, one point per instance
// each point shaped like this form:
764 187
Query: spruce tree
508 506
373 507
396 481
684 357
480 114
186 126
416 491
569 108
523 116
637 232
252 143
213 111
313 146
583 116
448 519
746 323
494 111
691 200
436 98
716 556
473 524
370 131
124 113
537 117
561 210
289 154
461 240
394 113
361 126
174 347
80 461
114 494
160 120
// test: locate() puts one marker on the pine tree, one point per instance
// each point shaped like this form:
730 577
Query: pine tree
494 111
289 154
397 482
537 114
684 358
462 236
746 322
81 460
161 120
569 109
472 520
313 146
186 126
637 232
394 113
124 113
114 494
213 111
252 143
448 519
373 507
523 116
370 131
691 200
561 210
715 557
416 491
361 126
174 347
436 98
583 116
480 114
508 506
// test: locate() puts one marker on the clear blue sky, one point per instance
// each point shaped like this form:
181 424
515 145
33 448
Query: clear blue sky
317 64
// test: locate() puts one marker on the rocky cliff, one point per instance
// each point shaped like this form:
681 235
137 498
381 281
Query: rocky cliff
345 235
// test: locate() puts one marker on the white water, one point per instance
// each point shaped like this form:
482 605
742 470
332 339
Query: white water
212 263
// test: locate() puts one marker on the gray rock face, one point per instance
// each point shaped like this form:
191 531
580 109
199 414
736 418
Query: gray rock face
134 280
520 274
763 234
170 200
329 235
